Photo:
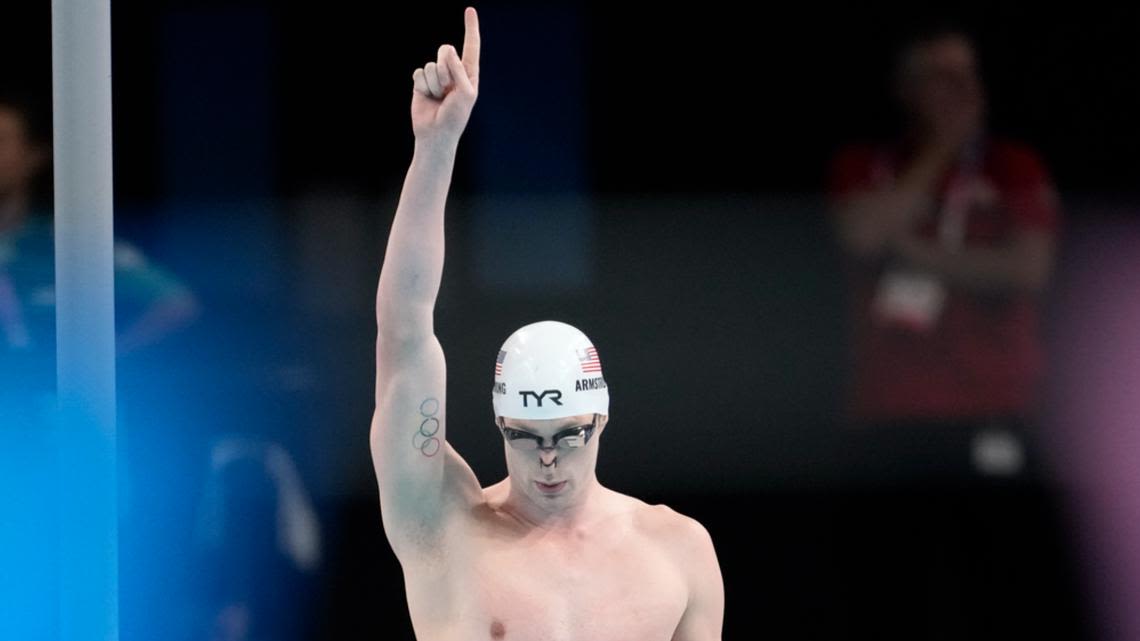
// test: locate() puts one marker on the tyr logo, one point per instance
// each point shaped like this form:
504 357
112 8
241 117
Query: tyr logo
555 395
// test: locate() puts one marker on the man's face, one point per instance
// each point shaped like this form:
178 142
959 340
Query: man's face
940 84
552 477
19 157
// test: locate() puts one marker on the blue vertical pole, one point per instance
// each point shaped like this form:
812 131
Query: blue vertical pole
85 332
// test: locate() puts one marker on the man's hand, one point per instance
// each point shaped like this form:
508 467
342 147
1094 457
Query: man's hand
444 91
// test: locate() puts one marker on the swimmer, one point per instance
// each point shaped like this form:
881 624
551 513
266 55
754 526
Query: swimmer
548 552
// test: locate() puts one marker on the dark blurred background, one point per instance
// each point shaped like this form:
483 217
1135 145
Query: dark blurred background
654 175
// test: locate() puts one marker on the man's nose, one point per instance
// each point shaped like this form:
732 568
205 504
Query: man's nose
548 457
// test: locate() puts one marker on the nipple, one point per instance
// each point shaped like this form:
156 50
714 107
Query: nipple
498 630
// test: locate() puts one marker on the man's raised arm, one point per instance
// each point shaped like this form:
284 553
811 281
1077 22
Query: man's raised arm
407 437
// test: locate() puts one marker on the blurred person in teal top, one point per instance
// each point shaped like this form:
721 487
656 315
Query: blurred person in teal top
152 303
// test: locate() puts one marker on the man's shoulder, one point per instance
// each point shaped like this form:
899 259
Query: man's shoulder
682 539
662 523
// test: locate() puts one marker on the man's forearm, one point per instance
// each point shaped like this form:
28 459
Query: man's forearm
413 261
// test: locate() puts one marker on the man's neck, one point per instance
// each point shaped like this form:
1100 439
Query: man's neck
572 518
13 211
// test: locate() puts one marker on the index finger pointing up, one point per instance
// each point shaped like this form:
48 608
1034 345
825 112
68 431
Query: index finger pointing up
471 44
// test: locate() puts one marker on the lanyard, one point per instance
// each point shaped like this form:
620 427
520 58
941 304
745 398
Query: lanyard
954 212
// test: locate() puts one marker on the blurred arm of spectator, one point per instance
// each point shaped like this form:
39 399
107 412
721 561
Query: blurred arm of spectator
299 534
1023 264
1020 263
877 222
296 524
166 304
868 220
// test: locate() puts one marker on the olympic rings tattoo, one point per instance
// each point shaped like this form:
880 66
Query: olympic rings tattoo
424 439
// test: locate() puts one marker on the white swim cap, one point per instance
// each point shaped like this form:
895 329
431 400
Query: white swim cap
549 370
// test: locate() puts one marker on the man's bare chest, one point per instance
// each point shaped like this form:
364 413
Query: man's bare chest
617 588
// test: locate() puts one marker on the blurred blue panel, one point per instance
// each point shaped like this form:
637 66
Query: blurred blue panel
227 249
535 234
534 244
29 533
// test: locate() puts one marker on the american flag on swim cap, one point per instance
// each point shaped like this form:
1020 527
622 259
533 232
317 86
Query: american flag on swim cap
499 362
591 364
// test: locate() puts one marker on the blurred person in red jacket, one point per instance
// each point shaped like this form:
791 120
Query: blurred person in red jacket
949 234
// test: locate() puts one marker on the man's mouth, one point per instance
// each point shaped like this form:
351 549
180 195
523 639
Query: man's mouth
550 488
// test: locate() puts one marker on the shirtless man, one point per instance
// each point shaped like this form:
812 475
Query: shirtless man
547 553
